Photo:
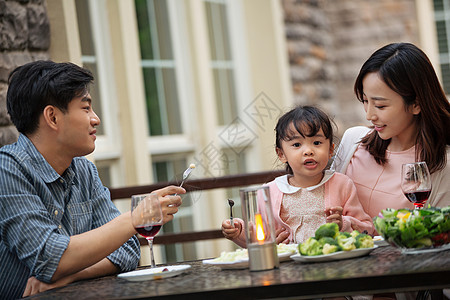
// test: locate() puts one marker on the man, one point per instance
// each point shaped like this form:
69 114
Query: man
57 221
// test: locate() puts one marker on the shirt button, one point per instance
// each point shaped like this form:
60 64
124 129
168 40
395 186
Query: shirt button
59 226
61 180
56 212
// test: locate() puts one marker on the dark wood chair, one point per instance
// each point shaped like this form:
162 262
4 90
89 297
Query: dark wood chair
239 180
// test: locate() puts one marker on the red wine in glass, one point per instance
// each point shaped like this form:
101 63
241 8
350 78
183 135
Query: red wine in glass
416 183
147 218
418 198
148 231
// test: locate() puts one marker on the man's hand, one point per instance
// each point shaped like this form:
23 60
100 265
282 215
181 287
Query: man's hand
169 202
35 286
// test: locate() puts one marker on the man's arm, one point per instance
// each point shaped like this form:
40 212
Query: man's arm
102 268
90 247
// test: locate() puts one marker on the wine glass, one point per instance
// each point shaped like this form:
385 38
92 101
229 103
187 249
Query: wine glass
147 218
416 183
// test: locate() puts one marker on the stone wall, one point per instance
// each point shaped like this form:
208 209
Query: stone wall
24 37
329 40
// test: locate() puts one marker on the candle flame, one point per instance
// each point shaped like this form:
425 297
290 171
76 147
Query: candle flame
260 236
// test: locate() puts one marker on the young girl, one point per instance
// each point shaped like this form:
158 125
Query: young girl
309 195
410 113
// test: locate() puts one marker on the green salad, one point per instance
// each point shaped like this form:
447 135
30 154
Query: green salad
328 240
427 227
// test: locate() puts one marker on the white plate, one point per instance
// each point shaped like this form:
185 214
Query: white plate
333 256
379 241
425 250
154 273
243 263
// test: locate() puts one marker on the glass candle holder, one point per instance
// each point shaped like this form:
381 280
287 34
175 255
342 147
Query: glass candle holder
259 228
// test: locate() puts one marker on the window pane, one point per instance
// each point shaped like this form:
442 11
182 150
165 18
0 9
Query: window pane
172 108
89 57
218 31
105 176
159 68
84 27
225 95
162 100
442 36
144 29
222 63
438 5
154 29
151 96
445 69
161 18
442 19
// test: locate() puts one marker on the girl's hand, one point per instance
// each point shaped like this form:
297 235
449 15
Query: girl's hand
229 231
334 215
282 236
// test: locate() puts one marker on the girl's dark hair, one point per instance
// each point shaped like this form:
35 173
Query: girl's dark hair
37 84
307 120
408 72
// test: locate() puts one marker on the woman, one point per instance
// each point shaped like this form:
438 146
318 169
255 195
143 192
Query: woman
410 113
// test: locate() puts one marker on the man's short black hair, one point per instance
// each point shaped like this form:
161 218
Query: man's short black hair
35 85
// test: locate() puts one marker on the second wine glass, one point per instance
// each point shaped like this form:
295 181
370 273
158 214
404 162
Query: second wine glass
416 183
147 218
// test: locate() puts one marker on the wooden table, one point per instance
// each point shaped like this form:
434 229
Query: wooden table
384 270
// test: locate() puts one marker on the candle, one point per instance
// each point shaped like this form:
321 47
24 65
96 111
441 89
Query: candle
259 228
260 236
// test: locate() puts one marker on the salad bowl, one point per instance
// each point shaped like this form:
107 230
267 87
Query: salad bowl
415 231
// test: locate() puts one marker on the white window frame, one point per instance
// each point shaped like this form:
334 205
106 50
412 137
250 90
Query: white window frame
178 143
108 146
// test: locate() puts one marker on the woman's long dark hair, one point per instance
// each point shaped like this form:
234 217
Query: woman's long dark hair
408 71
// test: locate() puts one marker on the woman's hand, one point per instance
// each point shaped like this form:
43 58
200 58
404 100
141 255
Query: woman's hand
334 215
229 231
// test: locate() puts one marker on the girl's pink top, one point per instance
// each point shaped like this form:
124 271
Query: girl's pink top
339 190
378 187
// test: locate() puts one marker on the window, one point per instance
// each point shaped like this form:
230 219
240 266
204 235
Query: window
221 61
95 50
89 58
158 67
442 18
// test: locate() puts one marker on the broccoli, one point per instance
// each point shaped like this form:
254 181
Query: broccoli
346 234
310 247
346 243
327 249
327 240
329 245
364 241
355 233
327 230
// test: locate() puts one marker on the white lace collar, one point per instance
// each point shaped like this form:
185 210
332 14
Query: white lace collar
282 183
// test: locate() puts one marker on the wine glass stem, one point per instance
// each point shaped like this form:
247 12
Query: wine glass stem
150 246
